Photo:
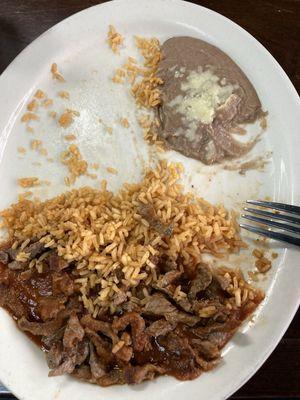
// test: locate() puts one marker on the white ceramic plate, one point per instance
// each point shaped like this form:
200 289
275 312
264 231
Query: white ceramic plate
78 46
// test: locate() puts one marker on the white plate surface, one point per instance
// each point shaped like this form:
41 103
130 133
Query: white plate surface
78 46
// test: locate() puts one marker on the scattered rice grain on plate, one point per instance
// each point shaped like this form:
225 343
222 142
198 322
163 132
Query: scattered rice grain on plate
70 137
64 94
32 105
56 74
263 264
149 127
114 39
119 76
76 165
28 182
124 122
29 116
146 91
67 118
21 150
112 170
39 94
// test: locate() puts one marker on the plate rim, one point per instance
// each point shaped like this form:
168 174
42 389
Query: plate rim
5 75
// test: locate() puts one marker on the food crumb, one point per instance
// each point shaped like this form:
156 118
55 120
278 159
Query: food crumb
56 74
114 39
39 94
274 255
32 106
64 94
70 137
124 122
112 170
28 182
29 116
50 159
109 129
21 150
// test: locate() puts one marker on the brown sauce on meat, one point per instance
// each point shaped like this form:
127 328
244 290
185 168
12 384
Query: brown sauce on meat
165 336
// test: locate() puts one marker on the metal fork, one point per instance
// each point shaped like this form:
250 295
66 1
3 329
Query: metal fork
282 213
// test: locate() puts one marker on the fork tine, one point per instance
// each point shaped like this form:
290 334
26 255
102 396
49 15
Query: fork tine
272 235
278 225
281 217
276 206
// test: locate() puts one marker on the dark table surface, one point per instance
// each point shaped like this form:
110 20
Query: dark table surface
276 24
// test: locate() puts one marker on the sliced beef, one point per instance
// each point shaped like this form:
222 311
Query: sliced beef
4 257
201 282
160 328
168 278
169 290
83 372
82 351
35 249
137 323
138 374
102 347
222 281
217 333
55 355
125 354
17 265
120 298
97 368
74 332
50 307
158 305
208 350
178 357
100 326
40 328
62 283
56 263
67 365
114 377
